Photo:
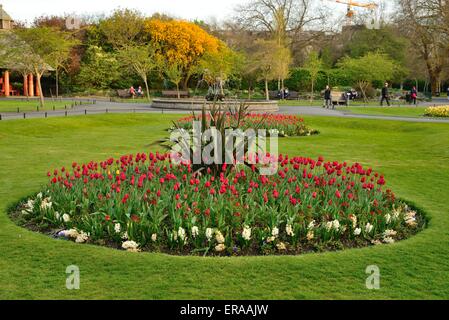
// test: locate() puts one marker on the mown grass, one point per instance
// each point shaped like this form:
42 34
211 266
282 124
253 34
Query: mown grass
414 112
24 105
413 156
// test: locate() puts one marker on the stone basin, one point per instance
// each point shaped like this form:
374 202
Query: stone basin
194 104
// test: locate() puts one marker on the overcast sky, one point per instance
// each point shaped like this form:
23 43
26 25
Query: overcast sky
188 9
27 10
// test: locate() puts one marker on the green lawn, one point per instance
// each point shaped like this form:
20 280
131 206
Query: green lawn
414 157
414 112
11 105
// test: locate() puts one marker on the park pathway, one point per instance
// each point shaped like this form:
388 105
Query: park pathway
107 107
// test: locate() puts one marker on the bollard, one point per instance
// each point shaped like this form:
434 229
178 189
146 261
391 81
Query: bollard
24 115
0 117
45 114
37 108
18 110
85 112
66 113
65 107
107 111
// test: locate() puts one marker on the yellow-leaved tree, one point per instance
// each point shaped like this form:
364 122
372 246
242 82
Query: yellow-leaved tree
181 44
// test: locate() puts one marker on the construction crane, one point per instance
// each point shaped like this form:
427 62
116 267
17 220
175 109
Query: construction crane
350 14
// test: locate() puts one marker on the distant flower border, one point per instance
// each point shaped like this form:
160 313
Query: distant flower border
279 124
438 112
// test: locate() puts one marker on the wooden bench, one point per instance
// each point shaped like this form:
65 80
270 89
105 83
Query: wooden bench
174 94
339 98
124 93
293 95
273 95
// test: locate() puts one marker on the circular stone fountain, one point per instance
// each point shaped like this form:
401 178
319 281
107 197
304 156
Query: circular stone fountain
196 104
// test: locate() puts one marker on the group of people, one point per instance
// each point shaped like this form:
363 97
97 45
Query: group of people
284 94
329 104
385 96
134 93
411 97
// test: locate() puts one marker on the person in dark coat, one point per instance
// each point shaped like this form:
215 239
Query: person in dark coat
413 95
385 95
328 98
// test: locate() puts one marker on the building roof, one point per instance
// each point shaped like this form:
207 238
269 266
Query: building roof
3 15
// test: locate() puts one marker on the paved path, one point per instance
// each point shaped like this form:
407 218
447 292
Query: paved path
102 107
315 111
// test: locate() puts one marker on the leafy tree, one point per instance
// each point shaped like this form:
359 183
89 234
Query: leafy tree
370 68
182 43
282 61
43 45
173 72
14 55
262 62
218 67
123 28
383 40
62 53
142 59
99 70
313 66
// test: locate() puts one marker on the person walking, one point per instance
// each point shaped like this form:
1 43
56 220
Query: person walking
413 96
328 98
385 95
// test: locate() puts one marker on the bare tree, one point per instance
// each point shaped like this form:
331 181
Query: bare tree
426 22
285 20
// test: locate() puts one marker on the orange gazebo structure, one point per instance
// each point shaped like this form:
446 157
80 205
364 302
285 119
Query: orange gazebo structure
29 89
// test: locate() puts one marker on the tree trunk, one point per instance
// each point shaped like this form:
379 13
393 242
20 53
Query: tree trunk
185 83
434 82
311 96
25 86
267 94
145 80
57 82
177 90
41 96
434 76
361 85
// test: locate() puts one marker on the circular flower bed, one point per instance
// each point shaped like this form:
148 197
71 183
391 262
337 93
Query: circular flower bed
282 125
146 203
